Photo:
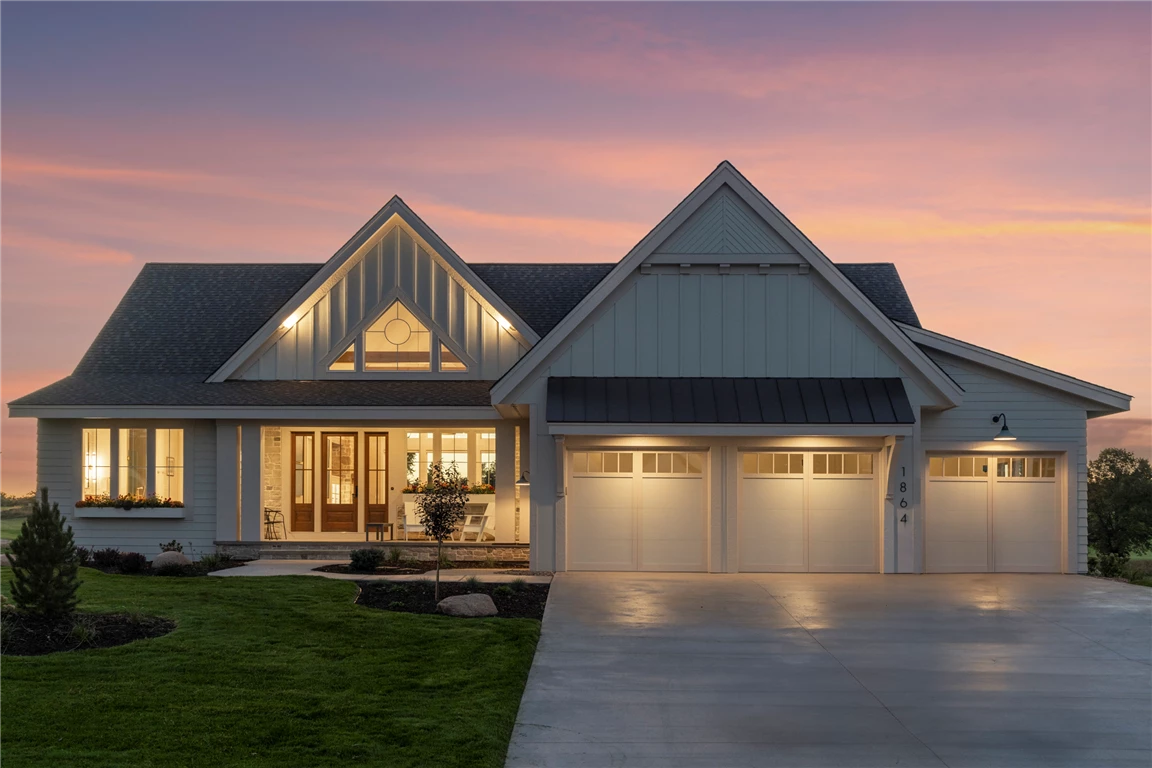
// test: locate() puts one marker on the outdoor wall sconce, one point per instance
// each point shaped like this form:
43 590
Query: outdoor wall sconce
523 481
1004 433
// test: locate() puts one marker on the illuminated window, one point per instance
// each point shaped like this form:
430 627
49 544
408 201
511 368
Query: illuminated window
601 463
97 447
958 466
841 463
419 450
773 463
346 361
132 462
169 464
449 361
454 452
397 341
1029 467
486 445
672 463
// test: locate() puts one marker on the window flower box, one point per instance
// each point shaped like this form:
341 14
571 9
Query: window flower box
129 507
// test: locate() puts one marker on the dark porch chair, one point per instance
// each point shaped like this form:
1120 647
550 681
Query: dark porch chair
274 524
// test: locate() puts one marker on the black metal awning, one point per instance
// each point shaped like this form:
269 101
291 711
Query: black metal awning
629 400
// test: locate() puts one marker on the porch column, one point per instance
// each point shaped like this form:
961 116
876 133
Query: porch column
525 491
251 514
227 481
505 481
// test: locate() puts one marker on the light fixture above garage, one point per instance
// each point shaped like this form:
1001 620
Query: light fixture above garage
1004 433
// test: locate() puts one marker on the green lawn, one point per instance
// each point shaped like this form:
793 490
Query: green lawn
282 671
10 525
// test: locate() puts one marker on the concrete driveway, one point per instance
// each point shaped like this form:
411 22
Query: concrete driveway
665 671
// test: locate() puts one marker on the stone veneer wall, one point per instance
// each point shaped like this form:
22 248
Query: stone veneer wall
271 481
409 550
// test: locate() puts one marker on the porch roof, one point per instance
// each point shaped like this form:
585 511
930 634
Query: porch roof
728 401
192 390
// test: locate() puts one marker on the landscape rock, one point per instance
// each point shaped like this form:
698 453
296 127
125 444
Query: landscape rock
169 559
467 605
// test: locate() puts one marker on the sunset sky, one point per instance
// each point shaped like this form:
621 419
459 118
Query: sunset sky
997 153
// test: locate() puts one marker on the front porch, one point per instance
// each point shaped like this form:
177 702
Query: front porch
424 551
308 489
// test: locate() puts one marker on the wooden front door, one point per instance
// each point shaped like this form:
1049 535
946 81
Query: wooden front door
376 506
303 481
338 505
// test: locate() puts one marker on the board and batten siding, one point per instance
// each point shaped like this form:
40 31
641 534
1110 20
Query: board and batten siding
59 468
775 324
395 266
1035 414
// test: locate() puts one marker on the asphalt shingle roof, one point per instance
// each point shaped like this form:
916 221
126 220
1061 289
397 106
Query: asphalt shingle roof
881 283
178 323
542 294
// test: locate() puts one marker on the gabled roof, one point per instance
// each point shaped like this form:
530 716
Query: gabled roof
335 268
946 391
1109 400
542 294
188 318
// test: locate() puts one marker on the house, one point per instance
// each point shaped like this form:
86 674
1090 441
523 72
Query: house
724 398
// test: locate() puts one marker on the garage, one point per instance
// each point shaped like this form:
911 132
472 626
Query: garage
990 513
637 511
808 512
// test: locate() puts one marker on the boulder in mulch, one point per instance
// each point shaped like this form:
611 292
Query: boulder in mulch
468 606
169 560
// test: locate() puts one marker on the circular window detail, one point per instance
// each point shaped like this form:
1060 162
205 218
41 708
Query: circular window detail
397 331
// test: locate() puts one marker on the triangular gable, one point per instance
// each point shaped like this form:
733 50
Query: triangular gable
395 220
724 224
668 232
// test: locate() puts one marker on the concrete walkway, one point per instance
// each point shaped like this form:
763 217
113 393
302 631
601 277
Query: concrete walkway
800 670
305 568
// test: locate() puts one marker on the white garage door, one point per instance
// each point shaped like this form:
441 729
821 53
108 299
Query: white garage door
808 512
988 513
642 511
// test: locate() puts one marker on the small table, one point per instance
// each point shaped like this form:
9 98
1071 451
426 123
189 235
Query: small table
379 531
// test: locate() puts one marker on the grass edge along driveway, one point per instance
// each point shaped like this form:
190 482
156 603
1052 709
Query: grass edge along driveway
283 671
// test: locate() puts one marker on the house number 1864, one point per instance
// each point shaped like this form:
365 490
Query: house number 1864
903 489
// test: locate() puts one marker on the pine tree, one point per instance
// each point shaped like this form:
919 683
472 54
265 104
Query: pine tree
44 563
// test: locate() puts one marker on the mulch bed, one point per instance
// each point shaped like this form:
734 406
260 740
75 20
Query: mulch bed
424 566
192 569
24 635
524 601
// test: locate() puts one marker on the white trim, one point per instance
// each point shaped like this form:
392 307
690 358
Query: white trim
734 430
318 413
1110 399
136 513
341 261
507 388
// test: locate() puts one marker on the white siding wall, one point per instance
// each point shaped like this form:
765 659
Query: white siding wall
1035 415
58 466
395 265
744 323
